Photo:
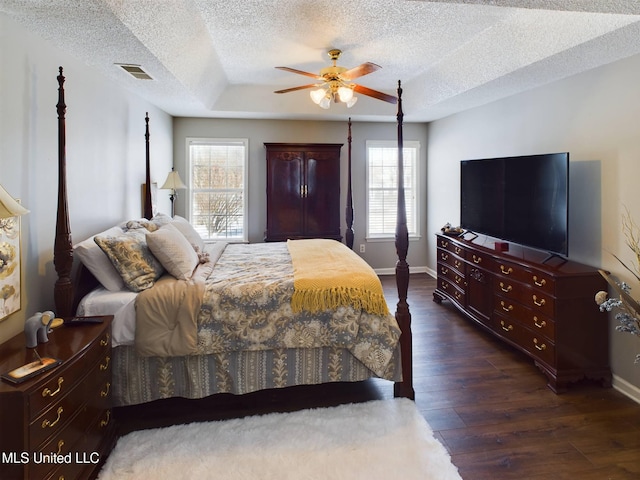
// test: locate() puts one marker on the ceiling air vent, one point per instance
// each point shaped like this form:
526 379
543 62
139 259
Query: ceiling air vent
135 71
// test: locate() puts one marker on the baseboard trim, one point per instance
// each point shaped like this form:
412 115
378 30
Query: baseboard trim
392 271
626 388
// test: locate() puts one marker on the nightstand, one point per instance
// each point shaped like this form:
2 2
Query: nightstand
58 424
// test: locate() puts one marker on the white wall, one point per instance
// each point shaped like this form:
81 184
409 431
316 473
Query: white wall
380 255
596 117
105 154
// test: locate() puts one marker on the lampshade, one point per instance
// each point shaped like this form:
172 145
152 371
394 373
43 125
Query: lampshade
173 182
345 94
9 207
317 95
325 102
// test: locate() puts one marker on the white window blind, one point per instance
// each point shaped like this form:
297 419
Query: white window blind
218 187
382 187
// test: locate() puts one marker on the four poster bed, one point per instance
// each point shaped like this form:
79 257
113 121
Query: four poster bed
247 317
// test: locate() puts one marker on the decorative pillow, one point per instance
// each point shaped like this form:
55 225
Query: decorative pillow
130 255
92 257
139 224
183 225
174 251
160 219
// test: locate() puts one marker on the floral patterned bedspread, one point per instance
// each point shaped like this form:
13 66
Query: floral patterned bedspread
247 307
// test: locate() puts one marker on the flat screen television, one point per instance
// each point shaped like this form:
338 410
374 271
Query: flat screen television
522 199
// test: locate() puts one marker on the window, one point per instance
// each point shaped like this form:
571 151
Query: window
382 187
218 187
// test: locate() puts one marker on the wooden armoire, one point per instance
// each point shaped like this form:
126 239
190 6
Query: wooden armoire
303 191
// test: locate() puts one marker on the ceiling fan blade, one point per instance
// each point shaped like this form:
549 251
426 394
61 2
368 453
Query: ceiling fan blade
360 70
375 94
300 72
293 89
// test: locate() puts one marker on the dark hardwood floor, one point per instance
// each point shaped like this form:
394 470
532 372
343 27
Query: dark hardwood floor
490 406
486 402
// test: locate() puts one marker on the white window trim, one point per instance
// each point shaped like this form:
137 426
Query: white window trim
416 188
213 140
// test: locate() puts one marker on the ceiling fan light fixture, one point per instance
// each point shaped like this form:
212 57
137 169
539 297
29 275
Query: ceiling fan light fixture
345 94
317 95
351 102
325 102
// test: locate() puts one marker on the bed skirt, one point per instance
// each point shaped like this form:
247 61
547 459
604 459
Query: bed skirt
139 379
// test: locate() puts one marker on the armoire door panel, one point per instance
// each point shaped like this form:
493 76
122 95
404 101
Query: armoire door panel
285 177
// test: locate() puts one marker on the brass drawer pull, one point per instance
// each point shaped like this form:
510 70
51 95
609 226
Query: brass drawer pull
538 303
458 250
506 271
60 445
105 392
506 289
540 283
539 347
105 422
105 341
458 280
457 264
506 309
444 243
542 324
47 391
49 423
444 270
476 259
444 256
105 365
506 329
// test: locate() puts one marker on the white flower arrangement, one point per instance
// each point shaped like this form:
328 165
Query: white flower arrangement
628 315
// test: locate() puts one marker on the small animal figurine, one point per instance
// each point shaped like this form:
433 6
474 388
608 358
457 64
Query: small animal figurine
36 328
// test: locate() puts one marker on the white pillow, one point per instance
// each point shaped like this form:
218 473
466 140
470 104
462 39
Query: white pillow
173 250
183 225
92 257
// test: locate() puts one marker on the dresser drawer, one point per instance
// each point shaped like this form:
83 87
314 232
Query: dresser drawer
56 417
448 258
539 302
67 376
537 345
452 275
66 443
543 282
451 246
481 260
449 289
542 325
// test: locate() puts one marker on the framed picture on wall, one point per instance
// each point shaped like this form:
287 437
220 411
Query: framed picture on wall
10 266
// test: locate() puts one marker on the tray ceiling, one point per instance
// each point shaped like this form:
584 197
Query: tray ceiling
217 59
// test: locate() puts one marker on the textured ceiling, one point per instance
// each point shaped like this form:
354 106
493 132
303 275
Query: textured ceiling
216 58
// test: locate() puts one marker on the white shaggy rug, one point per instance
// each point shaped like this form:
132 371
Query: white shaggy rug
381 439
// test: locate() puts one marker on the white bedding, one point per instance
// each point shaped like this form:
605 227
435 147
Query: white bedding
104 302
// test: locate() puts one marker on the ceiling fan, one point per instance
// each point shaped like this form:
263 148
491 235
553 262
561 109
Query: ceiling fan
335 83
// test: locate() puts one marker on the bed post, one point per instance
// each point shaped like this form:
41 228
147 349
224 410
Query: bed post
349 210
148 207
63 246
403 316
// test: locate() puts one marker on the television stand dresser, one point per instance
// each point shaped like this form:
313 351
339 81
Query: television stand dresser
542 305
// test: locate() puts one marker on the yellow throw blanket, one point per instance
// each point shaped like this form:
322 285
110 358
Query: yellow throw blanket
327 274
